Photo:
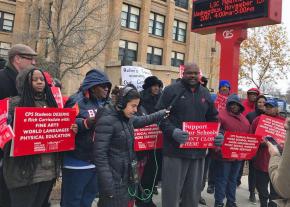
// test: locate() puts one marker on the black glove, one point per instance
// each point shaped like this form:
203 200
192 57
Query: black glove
180 136
219 140
90 122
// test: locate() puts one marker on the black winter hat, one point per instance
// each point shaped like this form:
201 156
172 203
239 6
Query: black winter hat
151 81
234 98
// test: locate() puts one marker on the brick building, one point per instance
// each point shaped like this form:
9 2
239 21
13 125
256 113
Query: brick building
154 34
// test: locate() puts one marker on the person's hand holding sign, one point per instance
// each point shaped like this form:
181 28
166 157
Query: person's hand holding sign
74 128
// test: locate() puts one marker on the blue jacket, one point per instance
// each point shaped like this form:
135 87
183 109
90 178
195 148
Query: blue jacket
86 107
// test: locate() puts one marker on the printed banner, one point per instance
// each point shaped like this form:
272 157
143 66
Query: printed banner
181 70
4 105
270 126
201 134
6 134
148 138
135 75
42 130
220 102
57 96
240 146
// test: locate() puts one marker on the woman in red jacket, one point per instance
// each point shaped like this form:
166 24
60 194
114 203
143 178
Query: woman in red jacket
261 162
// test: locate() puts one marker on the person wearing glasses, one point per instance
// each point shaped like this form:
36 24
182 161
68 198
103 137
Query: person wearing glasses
79 175
20 57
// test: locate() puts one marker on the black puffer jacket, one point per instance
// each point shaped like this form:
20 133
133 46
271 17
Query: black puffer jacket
113 145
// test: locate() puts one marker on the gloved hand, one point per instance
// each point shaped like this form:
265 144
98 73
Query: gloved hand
90 122
219 140
180 136
164 113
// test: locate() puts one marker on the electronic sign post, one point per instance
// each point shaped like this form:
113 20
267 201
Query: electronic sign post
229 19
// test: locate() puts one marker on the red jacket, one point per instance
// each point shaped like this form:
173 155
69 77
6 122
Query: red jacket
249 106
233 123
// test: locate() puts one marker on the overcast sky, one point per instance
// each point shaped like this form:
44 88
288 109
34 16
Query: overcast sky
283 85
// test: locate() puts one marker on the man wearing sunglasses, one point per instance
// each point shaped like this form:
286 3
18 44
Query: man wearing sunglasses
20 57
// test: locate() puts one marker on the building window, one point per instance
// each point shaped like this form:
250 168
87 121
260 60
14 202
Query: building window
179 31
182 3
156 24
130 17
154 55
6 22
127 52
177 59
4 48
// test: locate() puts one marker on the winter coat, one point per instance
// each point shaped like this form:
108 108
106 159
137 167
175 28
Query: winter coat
279 173
233 122
18 173
113 147
87 108
189 106
250 106
7 83
149 101
254 114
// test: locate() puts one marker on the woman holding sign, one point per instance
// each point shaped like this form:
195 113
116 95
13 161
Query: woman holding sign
261 162
30 178
227 170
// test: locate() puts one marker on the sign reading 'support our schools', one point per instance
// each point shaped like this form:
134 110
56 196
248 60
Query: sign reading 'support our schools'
201 134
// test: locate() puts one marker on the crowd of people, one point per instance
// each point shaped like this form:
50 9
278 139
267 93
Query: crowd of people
104 164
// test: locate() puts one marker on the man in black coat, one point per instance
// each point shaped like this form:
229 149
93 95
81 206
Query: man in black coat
182 170
20 57
149 98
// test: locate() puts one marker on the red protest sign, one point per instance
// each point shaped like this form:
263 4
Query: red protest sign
6 134
148 138
181 70
57 96
4 104
42 130
220 102
240 146
270 126
201 134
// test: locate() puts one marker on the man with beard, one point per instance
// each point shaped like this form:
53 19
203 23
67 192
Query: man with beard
182 171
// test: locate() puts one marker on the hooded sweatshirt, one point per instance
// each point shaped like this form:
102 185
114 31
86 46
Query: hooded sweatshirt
233 122
81 157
